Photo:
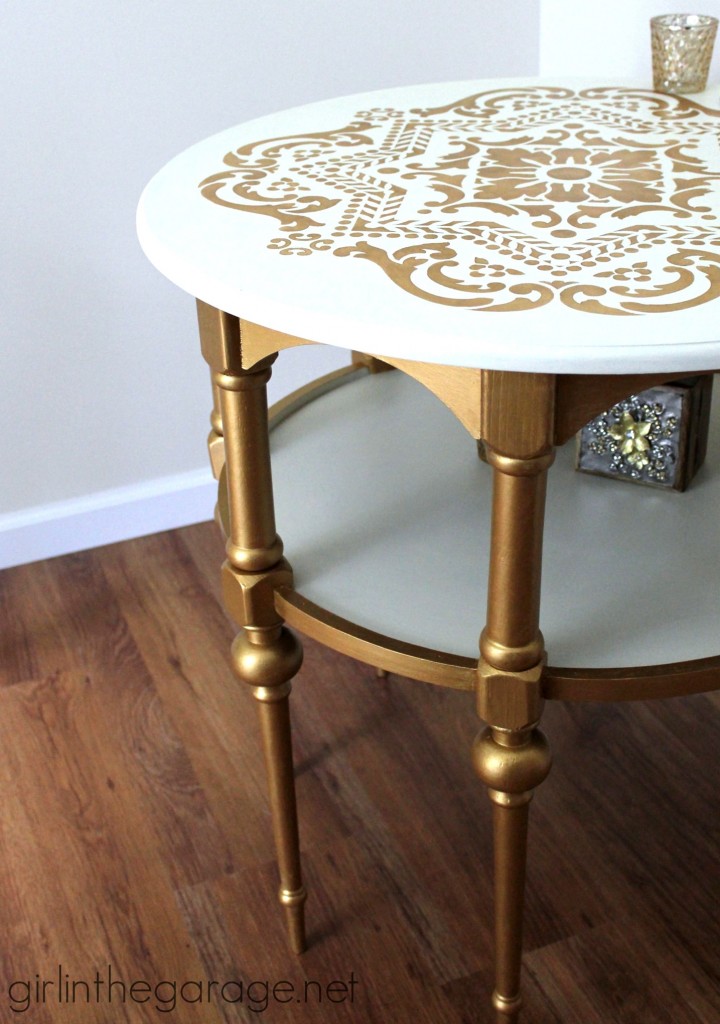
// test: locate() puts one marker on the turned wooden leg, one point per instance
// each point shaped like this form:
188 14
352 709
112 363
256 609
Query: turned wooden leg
511 755
216 445
216 452
267 660
511 764
265 655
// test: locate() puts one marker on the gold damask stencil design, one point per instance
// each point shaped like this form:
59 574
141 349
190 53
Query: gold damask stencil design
605 199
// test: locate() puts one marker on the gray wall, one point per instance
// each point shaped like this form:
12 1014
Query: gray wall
102 383
610 38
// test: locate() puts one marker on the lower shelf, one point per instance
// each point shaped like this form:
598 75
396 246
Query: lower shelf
383 506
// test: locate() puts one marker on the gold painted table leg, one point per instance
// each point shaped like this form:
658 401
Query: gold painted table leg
511 756
267 659
511 764
265 654
216 452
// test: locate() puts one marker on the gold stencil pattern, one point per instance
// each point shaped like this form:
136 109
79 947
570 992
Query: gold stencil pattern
605 199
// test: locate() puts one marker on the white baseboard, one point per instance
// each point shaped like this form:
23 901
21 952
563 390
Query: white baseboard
105 517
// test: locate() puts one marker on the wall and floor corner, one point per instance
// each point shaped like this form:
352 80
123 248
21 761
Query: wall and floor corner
105 398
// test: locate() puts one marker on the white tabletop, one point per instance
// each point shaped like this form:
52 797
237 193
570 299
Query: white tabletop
508 224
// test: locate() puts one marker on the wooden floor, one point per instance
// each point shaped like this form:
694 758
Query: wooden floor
135 834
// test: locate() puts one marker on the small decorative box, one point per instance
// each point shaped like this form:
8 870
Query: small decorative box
657 437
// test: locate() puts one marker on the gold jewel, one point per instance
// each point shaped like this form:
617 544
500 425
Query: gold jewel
631 437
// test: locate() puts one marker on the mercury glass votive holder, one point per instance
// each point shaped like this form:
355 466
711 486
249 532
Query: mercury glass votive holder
682 46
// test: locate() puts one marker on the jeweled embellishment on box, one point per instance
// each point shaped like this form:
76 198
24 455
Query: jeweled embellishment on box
657 437
604 199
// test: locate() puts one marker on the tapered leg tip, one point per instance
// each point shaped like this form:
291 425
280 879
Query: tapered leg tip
507 1008
296 930
294 903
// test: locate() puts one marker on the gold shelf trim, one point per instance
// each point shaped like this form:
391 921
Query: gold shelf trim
455 671
396 656
290 404
647 682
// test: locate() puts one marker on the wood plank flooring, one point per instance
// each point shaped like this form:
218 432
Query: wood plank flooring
135 836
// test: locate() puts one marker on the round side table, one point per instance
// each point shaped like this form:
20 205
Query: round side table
529 253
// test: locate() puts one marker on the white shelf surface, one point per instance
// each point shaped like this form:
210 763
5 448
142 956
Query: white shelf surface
384 509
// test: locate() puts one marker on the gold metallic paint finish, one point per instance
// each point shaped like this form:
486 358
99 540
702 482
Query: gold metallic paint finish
636 683
579 398
511 756
216 415
511 700
294 902
215 441
602 199
373 364
222 508
277 745
511 640
461 673
507 1009
384 652
216 453
518 416
519 467
290 404
458 387
219 338
253 543
265 655
511 764
249 597
456 671
260 342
